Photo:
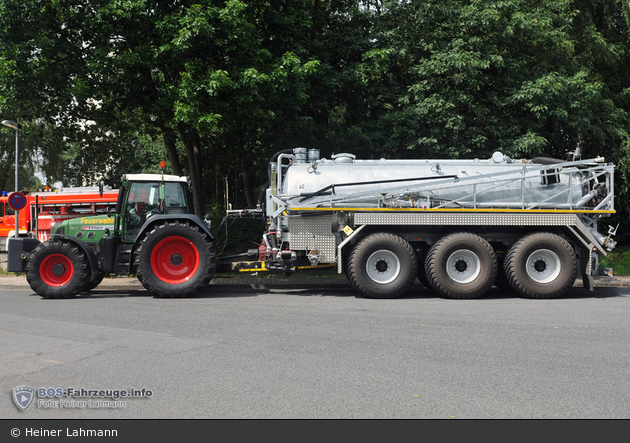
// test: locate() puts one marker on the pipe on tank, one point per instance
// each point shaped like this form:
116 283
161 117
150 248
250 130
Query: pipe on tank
584 200
279 170
263 190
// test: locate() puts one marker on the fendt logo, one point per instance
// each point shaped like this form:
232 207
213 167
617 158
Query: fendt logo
23 396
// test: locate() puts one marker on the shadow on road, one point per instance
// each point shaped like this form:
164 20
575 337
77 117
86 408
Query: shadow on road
328 290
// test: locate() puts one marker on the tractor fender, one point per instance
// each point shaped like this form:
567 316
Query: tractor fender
89 252
158 218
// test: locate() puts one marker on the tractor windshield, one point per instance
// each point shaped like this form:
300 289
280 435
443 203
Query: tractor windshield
142 199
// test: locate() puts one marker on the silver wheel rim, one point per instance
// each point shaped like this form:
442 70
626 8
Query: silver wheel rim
543 266
383 266
463 266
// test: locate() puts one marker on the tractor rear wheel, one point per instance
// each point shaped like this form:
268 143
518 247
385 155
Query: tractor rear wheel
57 269
175 259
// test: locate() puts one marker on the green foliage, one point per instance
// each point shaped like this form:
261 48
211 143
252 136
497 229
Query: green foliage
27 158
248 81
470 78
618 259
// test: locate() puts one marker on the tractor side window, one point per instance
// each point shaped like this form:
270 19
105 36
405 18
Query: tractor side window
174 199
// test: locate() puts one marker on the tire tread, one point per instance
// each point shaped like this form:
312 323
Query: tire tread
520 284
81 273
362 285
435 272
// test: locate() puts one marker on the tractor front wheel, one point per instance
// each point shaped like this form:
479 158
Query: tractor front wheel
57 269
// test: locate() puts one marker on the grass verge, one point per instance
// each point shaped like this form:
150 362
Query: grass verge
618 259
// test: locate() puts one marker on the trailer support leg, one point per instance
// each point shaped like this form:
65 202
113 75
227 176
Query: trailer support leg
587 282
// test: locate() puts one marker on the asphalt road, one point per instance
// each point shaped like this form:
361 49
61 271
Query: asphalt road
316 351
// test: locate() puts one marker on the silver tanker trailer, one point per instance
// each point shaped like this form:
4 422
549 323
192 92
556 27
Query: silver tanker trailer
460 226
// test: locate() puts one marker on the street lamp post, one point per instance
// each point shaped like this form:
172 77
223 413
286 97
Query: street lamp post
14 125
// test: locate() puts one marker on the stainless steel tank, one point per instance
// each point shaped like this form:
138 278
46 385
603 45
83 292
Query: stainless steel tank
498 182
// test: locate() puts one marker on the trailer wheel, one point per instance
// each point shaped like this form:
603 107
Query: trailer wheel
57 269
422 273
541 265
382 265
175 259
501 282
461 265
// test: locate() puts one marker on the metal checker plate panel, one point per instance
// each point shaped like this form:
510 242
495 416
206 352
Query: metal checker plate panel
313 233
485 219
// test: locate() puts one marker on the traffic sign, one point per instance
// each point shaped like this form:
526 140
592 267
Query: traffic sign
17 201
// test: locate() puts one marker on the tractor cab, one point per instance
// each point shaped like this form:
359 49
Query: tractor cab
145 195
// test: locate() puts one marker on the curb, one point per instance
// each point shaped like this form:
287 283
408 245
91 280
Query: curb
131 283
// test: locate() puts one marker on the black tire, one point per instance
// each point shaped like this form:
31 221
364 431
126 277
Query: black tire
95 280
541 265
422 273
462 266
57 269
346 262
382 265
175 259
501 282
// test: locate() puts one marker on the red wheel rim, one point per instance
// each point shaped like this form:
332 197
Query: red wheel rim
56 270
175 260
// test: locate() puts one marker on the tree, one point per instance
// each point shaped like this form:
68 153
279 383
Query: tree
466 78
245 79
216 87
214 72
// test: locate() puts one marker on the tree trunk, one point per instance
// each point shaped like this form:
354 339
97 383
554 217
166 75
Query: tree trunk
192 143
171 151
247 186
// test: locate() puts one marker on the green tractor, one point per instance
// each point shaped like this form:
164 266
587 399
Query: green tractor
153 234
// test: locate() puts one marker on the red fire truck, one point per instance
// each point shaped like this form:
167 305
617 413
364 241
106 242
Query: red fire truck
46 208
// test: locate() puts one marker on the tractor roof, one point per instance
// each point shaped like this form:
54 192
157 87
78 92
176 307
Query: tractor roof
154 178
